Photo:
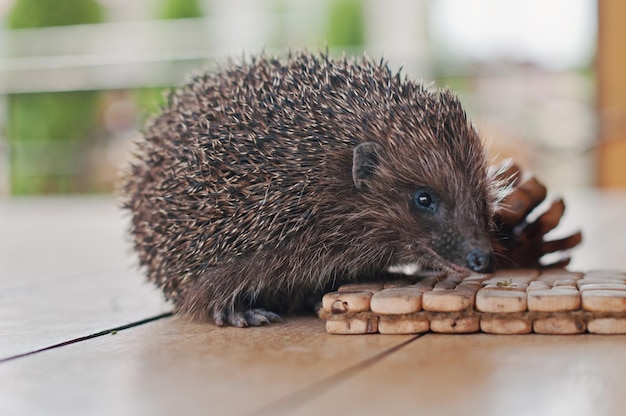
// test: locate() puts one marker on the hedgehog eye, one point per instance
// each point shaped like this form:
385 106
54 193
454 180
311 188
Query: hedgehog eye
423 200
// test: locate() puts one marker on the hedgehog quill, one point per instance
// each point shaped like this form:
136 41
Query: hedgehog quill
264 182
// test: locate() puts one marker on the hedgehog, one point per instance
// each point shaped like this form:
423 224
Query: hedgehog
266 181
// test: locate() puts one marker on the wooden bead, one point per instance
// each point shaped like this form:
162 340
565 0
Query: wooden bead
346 302
500 301
602 286
449 300
604 300
409 325
554 300
565 283
352 326
559 325
508 326
520 287
396 301
463 325
532 286
607 326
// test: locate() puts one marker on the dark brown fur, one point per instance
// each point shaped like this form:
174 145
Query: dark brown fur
244 195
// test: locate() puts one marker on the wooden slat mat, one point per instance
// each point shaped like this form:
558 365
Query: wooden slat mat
506 302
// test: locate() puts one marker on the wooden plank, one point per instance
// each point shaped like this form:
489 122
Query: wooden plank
34 317
44 238
65 272
295 368
173 366
494 375
611 67
82 283
488 375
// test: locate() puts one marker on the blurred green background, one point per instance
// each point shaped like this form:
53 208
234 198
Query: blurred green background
50 133
80 77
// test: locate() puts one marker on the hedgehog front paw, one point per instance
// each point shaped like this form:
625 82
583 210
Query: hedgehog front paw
242 319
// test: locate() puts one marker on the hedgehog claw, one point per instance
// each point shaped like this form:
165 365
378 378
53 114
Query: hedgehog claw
242 319
258 317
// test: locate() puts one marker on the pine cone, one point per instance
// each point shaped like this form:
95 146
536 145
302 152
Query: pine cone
519 242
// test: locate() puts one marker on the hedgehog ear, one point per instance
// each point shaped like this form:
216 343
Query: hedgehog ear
364 162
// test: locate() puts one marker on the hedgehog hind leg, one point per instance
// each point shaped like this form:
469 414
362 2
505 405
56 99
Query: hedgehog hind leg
245 318
221 294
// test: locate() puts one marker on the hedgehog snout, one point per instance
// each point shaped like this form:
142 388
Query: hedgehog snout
480 261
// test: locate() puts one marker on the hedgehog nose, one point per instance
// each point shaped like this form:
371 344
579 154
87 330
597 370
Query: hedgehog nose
480 261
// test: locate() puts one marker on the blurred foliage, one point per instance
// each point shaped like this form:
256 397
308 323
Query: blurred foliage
52 136
179 9
48 131
346 25
41 13
152 100
455 83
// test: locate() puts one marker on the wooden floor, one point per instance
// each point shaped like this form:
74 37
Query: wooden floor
82 334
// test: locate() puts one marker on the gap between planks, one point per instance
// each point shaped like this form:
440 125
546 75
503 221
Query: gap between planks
88 337
288 404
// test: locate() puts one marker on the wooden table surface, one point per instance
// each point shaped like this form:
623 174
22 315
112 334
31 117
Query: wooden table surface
81 333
